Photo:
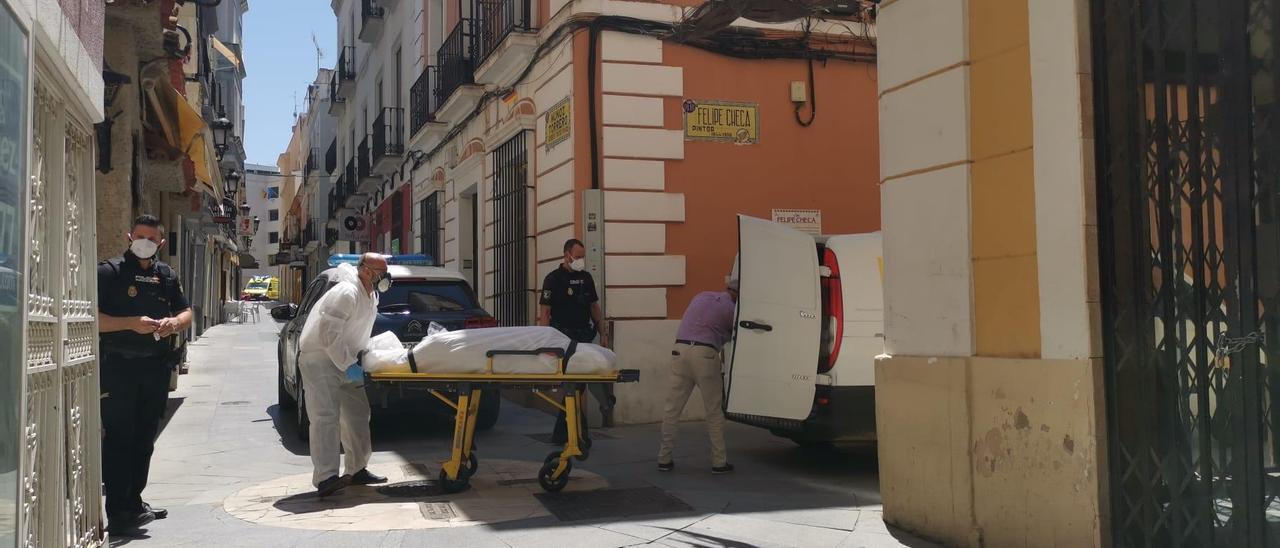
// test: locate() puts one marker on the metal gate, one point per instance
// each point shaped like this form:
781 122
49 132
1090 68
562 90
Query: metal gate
61 493
511 232
1189 218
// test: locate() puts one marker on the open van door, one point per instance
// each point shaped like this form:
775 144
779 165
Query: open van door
773 368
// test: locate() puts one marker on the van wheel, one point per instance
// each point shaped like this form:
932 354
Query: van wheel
304 421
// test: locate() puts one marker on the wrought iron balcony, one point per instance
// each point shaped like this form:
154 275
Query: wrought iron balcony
498 19
331 157
388 140
349 187
336 198
423 101
367 179
372 17
337 103
312 163
346 68
456 58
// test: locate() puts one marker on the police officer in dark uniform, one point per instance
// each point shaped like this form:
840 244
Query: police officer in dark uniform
141 313
569 303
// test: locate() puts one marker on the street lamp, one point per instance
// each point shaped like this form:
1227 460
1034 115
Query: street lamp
232 180
221 133
256 222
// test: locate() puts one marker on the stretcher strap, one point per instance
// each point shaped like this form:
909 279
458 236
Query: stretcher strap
413 364
568 353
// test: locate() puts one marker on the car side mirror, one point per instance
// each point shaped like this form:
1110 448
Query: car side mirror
286 311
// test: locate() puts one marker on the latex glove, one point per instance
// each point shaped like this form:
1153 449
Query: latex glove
355 374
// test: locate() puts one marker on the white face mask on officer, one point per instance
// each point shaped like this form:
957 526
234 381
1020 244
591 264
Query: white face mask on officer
143 248
578 265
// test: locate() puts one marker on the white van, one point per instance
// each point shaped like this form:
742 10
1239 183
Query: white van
810 324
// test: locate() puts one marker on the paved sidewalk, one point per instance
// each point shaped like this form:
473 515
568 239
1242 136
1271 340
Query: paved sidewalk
230 470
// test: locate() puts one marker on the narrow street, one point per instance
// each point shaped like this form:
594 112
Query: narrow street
231 471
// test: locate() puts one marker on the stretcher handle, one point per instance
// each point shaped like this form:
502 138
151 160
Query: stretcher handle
558 352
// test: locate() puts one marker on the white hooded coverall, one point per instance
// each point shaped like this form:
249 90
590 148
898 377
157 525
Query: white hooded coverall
337 329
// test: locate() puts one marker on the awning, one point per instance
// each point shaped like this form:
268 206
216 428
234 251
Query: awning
226 52
185 130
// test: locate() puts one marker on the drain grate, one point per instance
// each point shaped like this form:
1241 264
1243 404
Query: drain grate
236 402
521 481
437 511
611 503
546 438
416 470
412 489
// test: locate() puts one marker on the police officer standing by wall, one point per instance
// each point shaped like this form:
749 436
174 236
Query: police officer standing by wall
141 312
569 303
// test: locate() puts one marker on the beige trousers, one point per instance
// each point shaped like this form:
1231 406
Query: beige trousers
694 366
339 412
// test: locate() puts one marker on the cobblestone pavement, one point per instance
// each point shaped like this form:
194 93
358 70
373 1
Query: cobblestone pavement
231 471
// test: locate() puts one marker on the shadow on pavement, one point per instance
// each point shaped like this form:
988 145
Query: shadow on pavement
170 408
139 536
286 425
309 503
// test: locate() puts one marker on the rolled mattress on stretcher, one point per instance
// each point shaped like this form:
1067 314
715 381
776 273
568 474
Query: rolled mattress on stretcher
465 351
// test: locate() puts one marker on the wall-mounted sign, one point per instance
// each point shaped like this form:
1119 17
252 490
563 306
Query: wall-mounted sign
722 121
559 120
804 220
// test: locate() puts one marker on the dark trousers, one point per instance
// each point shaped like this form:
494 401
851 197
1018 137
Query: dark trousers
134 394
602 392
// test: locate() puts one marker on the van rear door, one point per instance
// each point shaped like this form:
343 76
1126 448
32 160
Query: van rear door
773 368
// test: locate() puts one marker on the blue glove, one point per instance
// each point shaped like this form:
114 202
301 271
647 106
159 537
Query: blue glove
355 374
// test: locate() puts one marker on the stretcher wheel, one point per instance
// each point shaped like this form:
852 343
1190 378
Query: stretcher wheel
549 484
473 464
452 486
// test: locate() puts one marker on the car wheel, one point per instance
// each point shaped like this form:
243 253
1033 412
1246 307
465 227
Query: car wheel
490 409
283 398
304 421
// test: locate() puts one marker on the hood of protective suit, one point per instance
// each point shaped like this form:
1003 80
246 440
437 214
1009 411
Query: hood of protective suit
340 323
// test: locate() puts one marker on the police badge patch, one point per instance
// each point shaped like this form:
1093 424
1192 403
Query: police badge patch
133 291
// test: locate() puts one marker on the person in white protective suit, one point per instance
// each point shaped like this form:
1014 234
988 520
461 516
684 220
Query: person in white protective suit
332 342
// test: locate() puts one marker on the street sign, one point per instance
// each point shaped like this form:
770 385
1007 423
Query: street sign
722 121
558 120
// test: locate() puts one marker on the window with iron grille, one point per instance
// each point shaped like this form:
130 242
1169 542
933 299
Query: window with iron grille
429 226
510 240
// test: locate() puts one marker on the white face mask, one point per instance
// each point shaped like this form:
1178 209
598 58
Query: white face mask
578 265
143 248
384 284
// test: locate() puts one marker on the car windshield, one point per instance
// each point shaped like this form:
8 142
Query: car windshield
258 285
427 297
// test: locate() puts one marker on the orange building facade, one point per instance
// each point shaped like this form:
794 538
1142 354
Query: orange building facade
581 128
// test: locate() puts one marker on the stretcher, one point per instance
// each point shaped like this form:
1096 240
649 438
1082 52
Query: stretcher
462 391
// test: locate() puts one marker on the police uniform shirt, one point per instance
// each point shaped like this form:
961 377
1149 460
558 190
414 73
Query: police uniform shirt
126 289
570 295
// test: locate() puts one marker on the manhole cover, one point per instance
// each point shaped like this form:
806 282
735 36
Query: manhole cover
611 503
412 489
437 511
237 402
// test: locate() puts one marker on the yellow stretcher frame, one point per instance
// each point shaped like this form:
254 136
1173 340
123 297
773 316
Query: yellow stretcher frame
455 473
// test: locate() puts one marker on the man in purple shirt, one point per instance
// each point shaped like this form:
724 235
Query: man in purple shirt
695 361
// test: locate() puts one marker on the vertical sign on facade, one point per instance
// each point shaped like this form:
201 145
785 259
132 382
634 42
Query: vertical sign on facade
804 220
559 121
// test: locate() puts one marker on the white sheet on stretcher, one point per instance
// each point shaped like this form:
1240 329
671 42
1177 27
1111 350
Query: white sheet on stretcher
464 352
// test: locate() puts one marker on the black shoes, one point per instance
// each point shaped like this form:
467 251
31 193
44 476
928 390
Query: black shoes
722 469
666 466
331 486
365 477
159 513
126 524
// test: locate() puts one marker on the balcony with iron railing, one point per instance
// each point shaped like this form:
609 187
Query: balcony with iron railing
456 62
423 104
367 179
345 72
337 103
311 164
351 196
505 40
331 157
372 18
388 140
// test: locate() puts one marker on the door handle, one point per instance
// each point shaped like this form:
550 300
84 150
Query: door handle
755 326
